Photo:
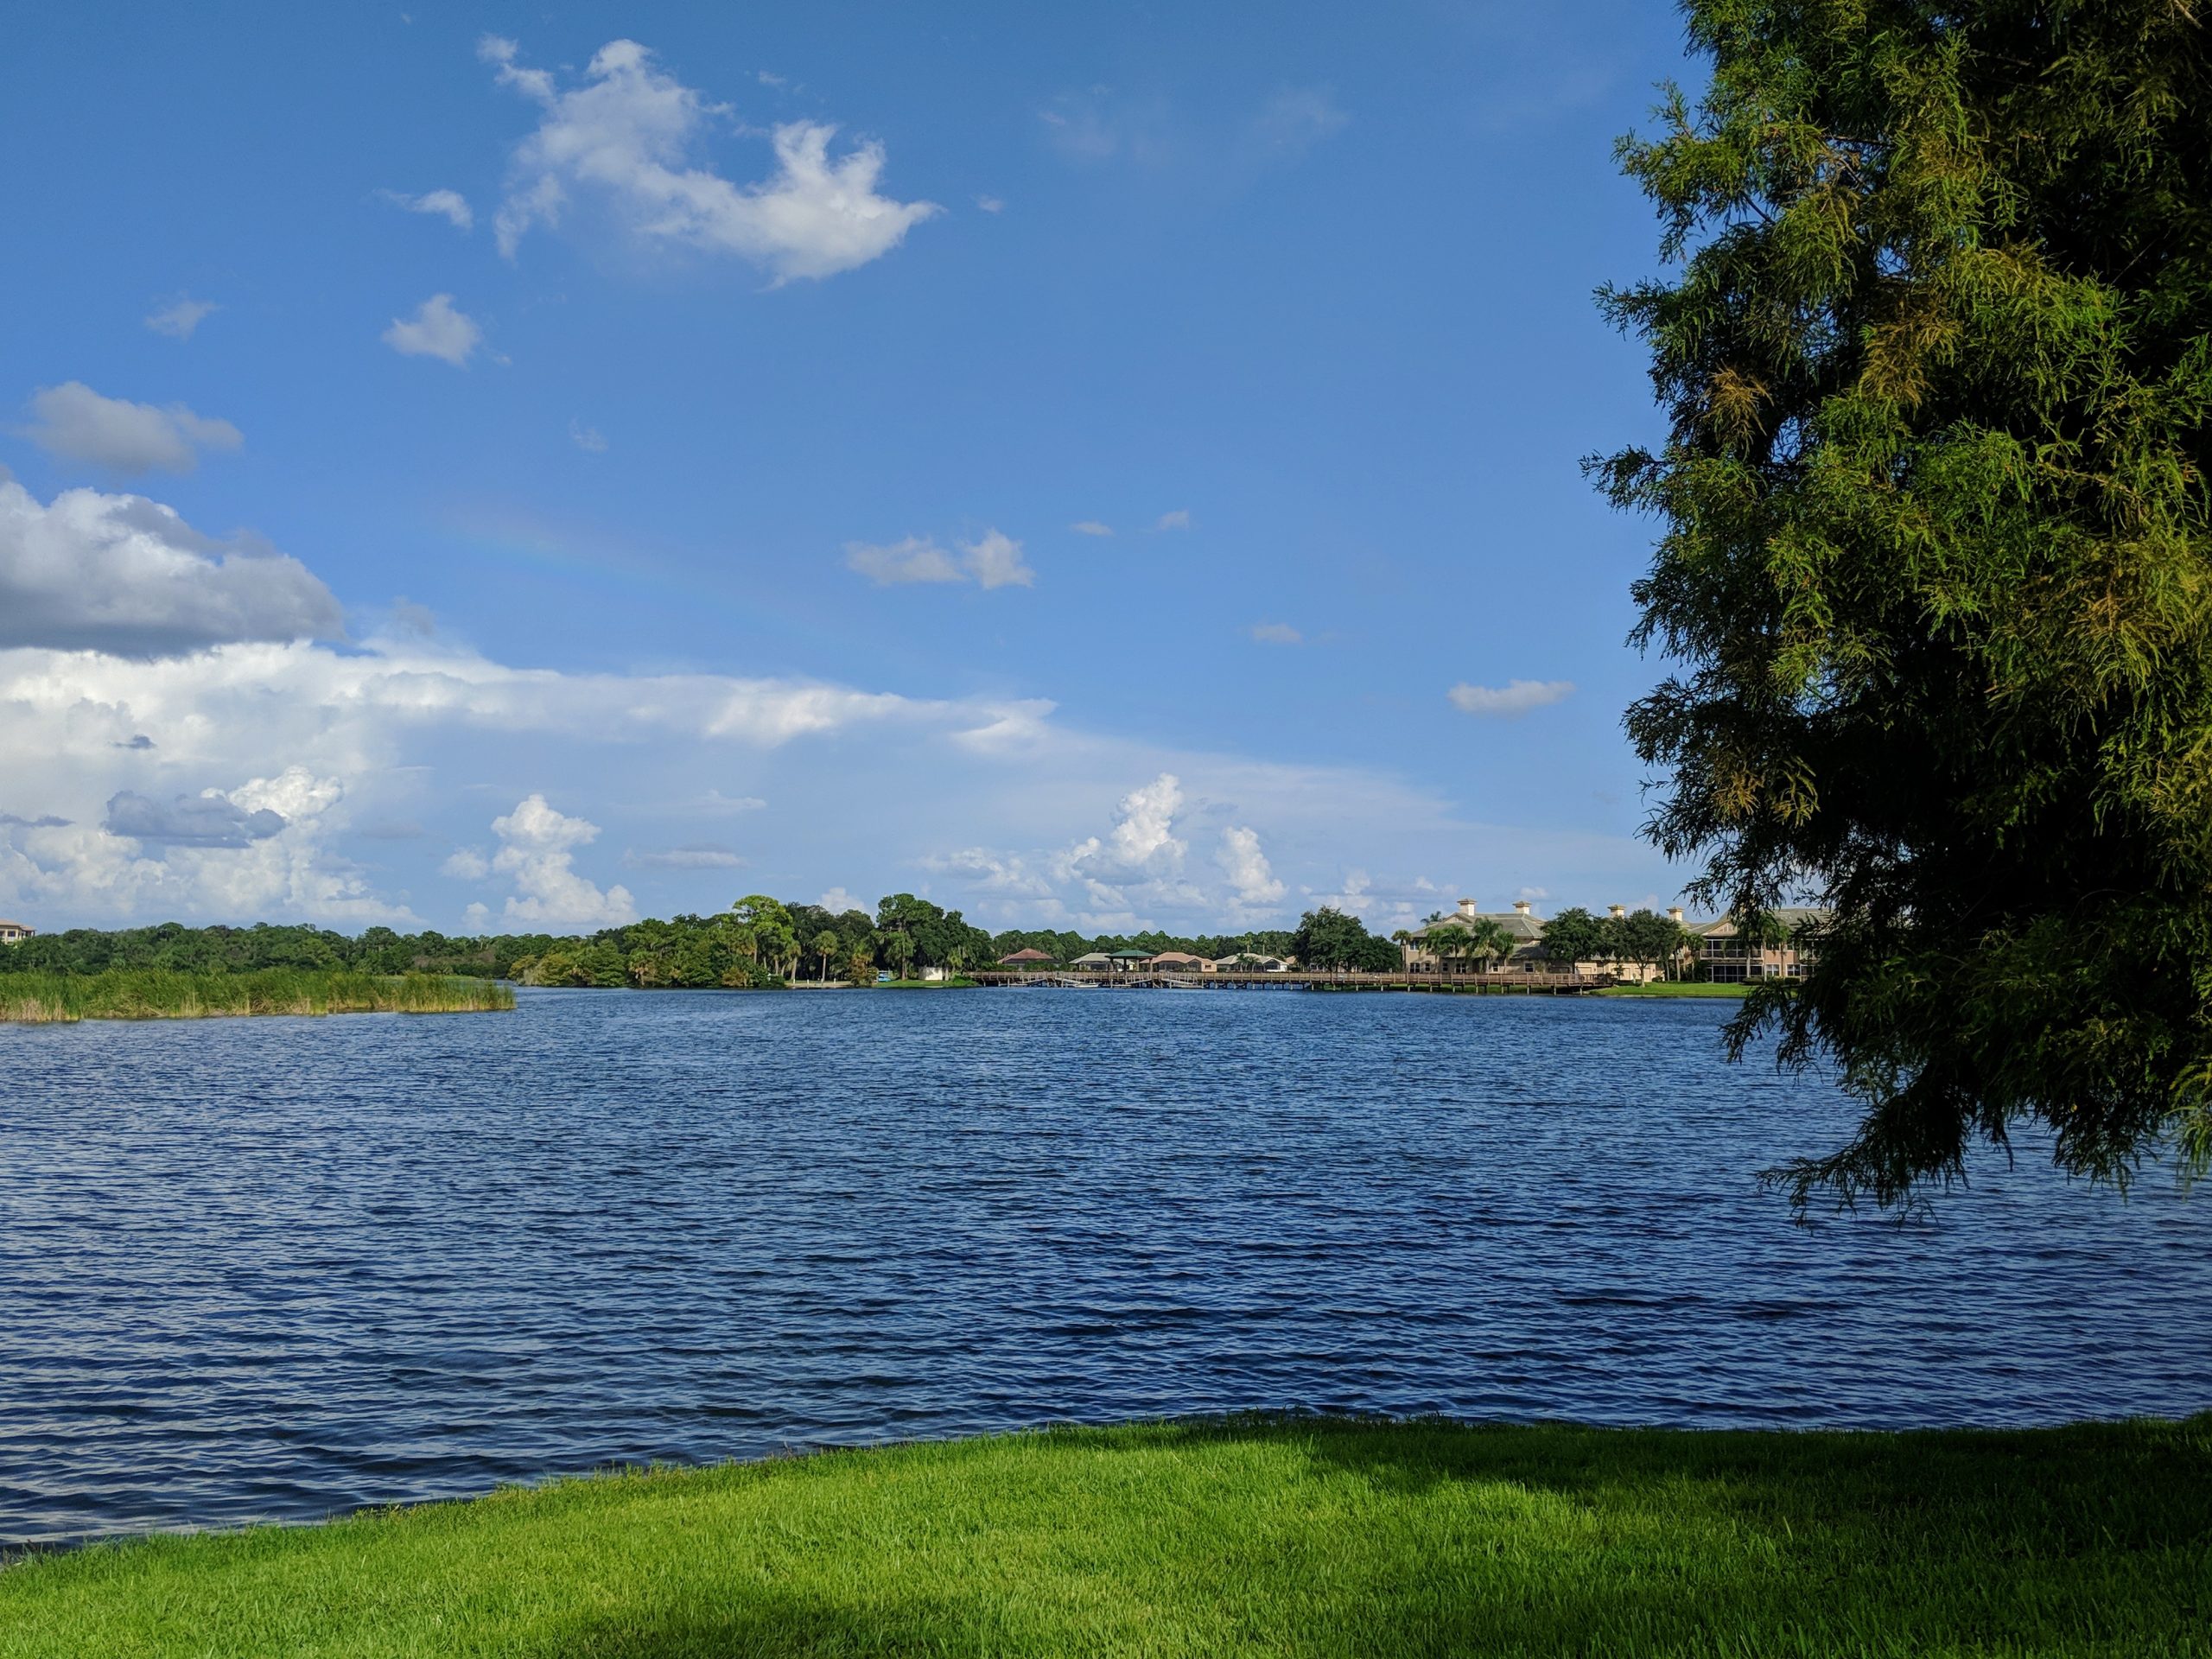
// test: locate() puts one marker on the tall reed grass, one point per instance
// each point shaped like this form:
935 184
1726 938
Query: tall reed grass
158 994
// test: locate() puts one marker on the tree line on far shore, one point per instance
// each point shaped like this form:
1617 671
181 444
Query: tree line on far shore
760 941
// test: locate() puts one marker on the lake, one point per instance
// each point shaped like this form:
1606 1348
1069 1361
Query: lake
272 1269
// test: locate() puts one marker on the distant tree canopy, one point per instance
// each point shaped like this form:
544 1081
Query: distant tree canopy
1328 938
758 941
1935 570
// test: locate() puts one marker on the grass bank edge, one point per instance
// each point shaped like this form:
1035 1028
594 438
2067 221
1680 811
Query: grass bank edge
1252 1533
40 998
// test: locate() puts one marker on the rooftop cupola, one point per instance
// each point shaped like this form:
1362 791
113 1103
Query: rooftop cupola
1521 906
1467 907
1675 914
1616 910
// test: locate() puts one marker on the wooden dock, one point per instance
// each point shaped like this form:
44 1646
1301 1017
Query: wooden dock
1504 984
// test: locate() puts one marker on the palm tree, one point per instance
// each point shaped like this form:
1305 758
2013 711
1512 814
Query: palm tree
1488 940
1447 945
1406 940
898 951
825 942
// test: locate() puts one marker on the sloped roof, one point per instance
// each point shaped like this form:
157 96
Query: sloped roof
1792 918
1525 930
1027 953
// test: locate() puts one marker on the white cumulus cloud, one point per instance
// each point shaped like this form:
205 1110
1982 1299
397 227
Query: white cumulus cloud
436 330
76 423
1143 842
537 854
627 137
1252 881
1511 700
93 571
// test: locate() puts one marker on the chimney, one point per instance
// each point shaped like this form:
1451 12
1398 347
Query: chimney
1675 914
1466 907
1616 910
1521 906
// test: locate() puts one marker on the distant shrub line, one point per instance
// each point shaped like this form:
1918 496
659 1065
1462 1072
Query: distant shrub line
40 998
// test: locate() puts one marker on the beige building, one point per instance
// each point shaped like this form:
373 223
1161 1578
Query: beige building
14 932
1525 954
1729 958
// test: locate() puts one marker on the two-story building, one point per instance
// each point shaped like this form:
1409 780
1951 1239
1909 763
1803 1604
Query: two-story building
1524 952
1730 956
15 933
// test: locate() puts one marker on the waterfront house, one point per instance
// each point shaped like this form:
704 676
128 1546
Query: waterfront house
1027 956
1178 962
1248 961
1520 923
1092 962
14 932
1729 957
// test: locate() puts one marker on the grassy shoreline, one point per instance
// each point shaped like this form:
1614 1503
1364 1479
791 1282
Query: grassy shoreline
155 993
1254 1535
1676 988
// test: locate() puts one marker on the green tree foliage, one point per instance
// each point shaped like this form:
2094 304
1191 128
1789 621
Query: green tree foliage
1488 941
1574 935
1327 938
1937 363
1649 939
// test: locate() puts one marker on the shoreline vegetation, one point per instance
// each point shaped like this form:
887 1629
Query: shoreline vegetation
1261 1534
763 944
40 998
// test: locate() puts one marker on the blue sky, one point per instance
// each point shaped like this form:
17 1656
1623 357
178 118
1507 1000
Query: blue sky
498 467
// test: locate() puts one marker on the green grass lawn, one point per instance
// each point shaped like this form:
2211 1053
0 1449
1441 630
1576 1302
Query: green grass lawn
1305 1536
1675 988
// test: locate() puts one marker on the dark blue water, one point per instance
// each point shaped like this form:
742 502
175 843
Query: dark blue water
279 1267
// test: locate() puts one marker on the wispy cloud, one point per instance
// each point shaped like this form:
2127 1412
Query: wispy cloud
702 856
1277 633
1511 700
587 438
448 204
1090 527
76 423
1178 519
181 316
1294 120
995 559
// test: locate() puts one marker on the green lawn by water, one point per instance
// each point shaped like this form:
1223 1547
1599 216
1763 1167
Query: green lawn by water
1675 988
1256 1537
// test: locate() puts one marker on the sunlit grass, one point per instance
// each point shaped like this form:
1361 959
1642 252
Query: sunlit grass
157 994
1675 988
1254 1537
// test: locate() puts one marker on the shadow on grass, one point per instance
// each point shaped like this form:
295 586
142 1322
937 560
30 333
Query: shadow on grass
2090 1540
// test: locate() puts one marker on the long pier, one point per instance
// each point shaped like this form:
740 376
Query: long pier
1505 984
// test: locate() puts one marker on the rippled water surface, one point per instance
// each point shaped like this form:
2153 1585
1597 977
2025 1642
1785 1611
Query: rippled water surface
277 1267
